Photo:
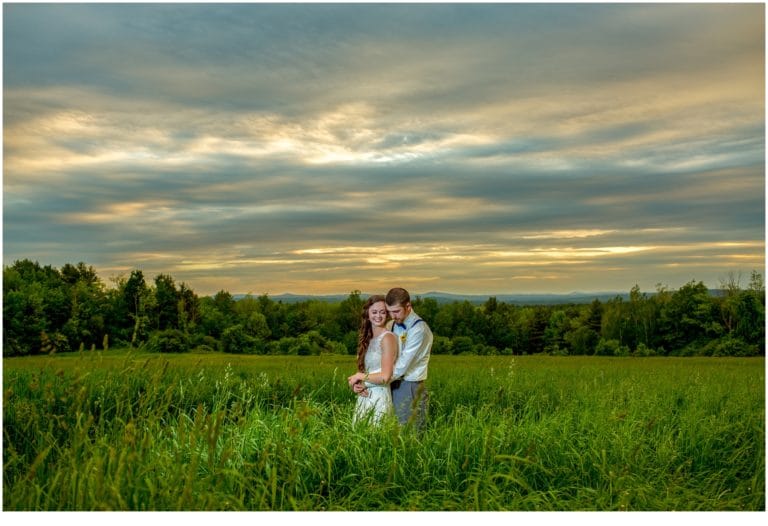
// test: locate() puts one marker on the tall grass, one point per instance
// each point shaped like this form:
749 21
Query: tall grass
216 432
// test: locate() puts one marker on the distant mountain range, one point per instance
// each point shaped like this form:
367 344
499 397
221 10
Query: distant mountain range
477 299
527 299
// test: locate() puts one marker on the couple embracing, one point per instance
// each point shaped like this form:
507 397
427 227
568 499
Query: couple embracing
393 351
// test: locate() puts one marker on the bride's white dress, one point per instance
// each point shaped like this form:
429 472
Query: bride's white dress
379 402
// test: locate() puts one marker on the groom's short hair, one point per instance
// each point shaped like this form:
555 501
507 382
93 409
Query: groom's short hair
398 296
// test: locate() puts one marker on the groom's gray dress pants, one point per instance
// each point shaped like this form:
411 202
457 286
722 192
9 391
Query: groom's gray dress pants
410 401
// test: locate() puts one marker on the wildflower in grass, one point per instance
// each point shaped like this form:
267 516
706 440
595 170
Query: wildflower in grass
511 370
263 380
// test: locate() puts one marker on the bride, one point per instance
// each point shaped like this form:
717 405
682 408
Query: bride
376 355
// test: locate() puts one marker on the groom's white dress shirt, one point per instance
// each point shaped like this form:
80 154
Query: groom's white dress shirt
414 344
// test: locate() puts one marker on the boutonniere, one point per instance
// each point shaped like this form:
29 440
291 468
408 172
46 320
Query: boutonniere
403 337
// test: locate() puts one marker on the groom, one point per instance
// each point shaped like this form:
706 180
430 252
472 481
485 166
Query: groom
409 394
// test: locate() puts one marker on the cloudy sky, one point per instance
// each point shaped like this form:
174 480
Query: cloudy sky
489 149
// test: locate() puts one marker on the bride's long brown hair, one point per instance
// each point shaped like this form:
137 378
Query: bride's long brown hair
365 333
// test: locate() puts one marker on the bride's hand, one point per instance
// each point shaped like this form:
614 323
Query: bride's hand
359 389
355 378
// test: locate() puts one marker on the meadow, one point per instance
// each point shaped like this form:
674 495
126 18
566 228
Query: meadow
123 430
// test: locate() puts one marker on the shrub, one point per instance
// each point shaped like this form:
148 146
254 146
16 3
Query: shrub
168 341
643 350
555 350
441 345
462 345
311 343
482 349
611 348
334 347
236 340
582 340
729 346
350 342
282 346
54 343
304 346
606 347
623 350
200 340
692 349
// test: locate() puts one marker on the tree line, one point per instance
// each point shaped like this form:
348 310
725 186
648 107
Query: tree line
48 310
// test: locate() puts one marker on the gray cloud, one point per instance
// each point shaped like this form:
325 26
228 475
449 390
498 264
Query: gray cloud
306 147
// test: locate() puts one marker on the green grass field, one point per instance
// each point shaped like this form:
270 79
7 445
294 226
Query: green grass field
122 431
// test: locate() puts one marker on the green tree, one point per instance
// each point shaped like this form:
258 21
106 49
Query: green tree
72 274
217 314
750 313
689 317
461 319
211 320
730 290
554 334
500 327
225 304
275 313
135 299
538 325
642 318
616 321
348 318
427 308
350 311
167 299
523 325
35 300
322 316
188 309
585 326
23 320
582 340
299 318
255 324
86 323
594 316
